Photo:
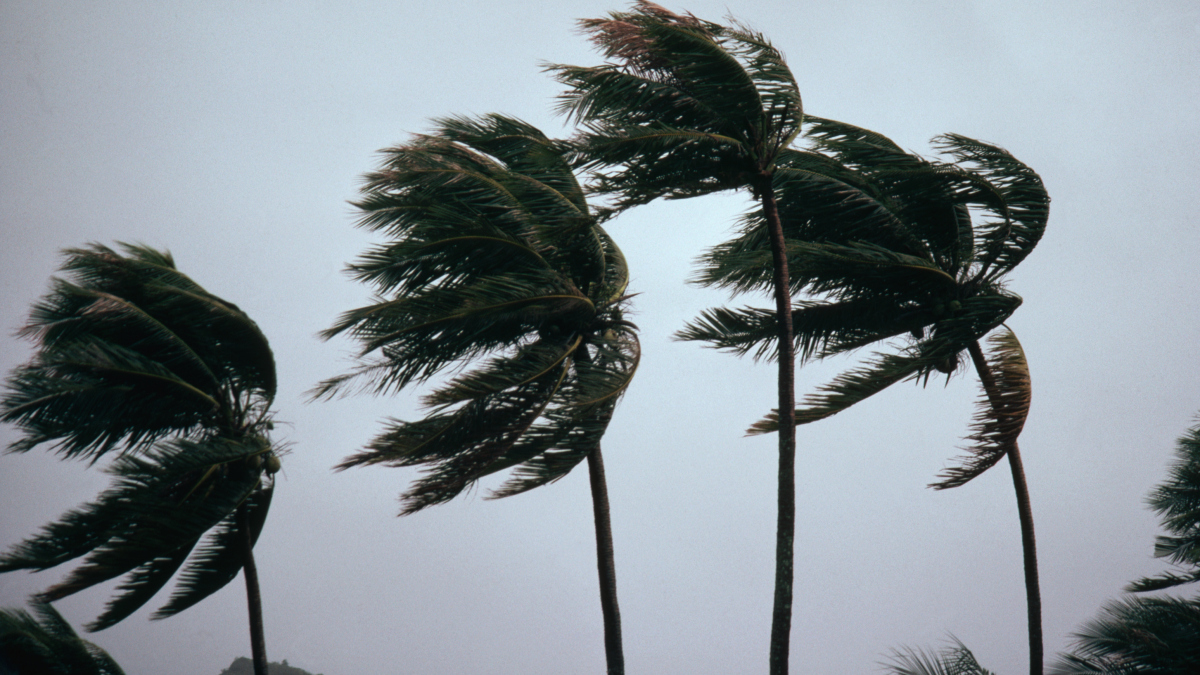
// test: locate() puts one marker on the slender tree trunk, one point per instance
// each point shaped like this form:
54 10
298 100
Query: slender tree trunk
258 641
606 565
1033 594
785 534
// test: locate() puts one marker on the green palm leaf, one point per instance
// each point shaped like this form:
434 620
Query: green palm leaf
999 421
146 524
953 660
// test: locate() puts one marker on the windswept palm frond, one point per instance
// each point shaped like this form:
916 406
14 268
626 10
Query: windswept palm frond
1177 502
161 504
131 351
685 107
1139 635
953 660
1016 199
939 351
494 263
44 643
999 420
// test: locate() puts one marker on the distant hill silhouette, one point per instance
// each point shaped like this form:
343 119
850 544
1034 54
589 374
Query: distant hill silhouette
244 666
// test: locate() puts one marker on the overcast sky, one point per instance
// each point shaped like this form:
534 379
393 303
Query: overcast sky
233 133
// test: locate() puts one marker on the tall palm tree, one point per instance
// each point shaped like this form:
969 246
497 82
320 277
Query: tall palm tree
493 260
134 357
43 643
889 245
687 107
1154 634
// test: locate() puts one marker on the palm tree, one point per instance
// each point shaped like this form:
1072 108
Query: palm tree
885 245
134 357
686 107
45 643
493 260
1154 634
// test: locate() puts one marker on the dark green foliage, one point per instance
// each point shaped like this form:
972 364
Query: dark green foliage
45 644
889 247
1177 501
685 107
1159 636
492 261
135 357
129 351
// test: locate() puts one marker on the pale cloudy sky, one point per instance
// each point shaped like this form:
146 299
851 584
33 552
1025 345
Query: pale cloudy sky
233 133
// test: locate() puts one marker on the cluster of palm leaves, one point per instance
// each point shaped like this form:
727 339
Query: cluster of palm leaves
498 286
135 358
43 642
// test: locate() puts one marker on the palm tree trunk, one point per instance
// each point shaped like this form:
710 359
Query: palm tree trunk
1033 594
606 565
258 641
785 530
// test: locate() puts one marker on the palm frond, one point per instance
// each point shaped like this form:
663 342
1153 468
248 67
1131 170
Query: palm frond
1137 635
956 659
1000 418
147 523
820 329
130 351
88 397
1177 502
45 643
1019 224
937 352
221 556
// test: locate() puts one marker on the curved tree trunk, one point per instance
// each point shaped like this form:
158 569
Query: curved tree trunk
1033 594
258 641
785 533
605 563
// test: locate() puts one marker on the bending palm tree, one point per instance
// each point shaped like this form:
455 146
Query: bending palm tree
495 260
135 357
884 242
687 108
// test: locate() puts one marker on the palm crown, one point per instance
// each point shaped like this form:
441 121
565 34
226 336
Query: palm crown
135 357
885 245
493 260
685 107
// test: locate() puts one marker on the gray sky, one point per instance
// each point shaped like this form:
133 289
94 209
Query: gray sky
233 133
